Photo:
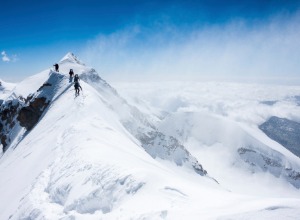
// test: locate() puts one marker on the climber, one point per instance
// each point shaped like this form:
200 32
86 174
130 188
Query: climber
76 78
71 73
56 67
77 86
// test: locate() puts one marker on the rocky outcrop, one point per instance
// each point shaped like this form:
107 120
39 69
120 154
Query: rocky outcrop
283 131
17 113
8 114
29 115
274 163
166 147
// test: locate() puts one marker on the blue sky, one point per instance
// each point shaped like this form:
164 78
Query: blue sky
142 39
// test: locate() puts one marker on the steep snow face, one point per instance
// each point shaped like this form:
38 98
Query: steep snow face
5 89
141 126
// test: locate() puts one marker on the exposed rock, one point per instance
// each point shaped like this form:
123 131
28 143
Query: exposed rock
3 141
165 147
8 114
19 112
283 131
275 164
44 85
29 115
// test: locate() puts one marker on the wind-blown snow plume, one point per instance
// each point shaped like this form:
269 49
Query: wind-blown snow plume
232 51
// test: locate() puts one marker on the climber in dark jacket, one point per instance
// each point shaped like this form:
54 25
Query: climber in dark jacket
76 78
77 86
56 67
71 73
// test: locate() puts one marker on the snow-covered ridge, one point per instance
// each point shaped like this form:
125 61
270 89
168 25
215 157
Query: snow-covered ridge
99 107
97 156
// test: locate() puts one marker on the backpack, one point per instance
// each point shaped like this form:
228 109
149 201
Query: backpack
76 78
76 85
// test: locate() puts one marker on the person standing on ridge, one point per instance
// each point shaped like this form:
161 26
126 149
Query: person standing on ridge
77 86
76 78
56 67
71 73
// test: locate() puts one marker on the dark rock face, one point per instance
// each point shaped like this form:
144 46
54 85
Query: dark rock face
273 163
166 147
8 114
29 115
283 131
44 85
18 113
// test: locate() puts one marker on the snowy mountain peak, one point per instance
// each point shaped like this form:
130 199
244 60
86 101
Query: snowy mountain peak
97 155
70 57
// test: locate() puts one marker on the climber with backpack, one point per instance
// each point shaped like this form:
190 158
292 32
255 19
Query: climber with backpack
56 67
77 88
76 78
71 73
76 84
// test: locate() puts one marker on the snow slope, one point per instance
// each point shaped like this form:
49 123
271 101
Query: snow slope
87 158
5 89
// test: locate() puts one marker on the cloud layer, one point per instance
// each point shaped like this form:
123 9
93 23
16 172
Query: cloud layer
7 59
235 50
251 104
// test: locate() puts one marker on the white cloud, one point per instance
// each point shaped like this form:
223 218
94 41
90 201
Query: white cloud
241 102
6 58
235 50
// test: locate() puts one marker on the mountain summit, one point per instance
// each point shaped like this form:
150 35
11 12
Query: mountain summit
71 58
